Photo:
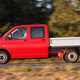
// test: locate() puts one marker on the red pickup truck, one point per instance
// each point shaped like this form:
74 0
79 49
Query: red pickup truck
32 41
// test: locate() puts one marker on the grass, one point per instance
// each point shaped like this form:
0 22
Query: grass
53 69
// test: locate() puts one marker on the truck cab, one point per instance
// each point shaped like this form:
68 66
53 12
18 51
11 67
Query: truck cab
24 41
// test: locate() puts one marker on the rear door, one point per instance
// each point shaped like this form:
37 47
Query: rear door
38 44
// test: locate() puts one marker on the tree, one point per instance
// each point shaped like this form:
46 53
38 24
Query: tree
10 9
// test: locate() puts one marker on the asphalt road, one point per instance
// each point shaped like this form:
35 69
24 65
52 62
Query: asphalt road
38 63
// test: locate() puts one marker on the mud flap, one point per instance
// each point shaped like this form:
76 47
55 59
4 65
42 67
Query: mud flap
60 54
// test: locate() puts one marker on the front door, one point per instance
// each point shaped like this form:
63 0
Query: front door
17 42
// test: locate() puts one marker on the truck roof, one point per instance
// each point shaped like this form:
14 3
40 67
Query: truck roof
31 25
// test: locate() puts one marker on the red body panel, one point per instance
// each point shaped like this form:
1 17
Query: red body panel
29 47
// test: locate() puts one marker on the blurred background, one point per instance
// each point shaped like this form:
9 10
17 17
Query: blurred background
63 16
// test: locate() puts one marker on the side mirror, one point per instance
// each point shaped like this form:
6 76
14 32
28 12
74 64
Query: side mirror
9 36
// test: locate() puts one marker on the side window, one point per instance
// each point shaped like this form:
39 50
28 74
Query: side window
37 32
19 33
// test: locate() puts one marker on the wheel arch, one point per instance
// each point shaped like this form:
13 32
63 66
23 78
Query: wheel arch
72 48
7 52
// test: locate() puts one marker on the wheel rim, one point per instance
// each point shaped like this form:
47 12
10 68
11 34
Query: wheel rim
72 56
3 57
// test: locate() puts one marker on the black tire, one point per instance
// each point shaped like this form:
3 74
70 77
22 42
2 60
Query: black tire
4 57
71 56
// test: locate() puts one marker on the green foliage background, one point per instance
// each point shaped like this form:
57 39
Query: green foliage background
65 20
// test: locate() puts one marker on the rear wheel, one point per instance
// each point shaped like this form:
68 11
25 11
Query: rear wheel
71 55
4 58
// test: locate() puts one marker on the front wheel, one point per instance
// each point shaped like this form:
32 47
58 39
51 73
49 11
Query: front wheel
71 56
4 58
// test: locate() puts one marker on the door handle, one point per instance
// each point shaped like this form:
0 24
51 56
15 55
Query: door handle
43 39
